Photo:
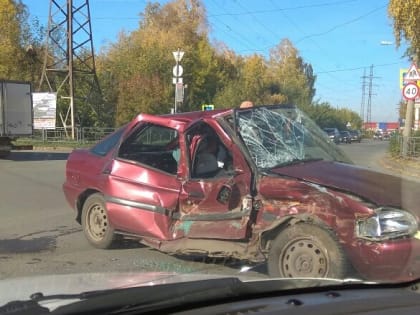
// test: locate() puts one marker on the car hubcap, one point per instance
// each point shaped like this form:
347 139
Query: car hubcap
97 222
303 258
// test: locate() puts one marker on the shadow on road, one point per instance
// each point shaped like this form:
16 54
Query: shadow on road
121 243
37 156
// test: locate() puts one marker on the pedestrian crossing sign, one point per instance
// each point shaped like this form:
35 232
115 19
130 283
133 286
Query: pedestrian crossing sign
412 73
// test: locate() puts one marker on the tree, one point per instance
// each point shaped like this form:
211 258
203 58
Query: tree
145 56
249 81
406 18
291 75
327 116
136 71
20 43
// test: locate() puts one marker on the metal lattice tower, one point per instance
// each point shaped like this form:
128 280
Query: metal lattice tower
69 64
362 104
369 104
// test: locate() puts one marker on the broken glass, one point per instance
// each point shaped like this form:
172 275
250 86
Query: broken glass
279 136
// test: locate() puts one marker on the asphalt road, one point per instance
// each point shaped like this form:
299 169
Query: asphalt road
38 233
368 153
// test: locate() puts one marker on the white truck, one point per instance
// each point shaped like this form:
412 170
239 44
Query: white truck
16 113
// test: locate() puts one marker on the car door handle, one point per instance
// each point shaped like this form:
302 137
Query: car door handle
195 195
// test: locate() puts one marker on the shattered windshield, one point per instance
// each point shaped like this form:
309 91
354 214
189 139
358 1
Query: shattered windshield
280 135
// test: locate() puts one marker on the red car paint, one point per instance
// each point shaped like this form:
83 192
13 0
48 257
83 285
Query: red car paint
236 212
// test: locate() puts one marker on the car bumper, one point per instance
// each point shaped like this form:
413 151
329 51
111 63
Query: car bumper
394 260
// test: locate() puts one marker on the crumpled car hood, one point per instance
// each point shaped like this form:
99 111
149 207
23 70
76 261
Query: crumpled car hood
379 188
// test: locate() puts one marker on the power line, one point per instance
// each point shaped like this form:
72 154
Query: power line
239 36
342 24
358 68
303 32
285 9
270 31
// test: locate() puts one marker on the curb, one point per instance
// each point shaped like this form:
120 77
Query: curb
54 149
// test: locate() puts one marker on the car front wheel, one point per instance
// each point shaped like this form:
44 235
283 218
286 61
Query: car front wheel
95 222
306 250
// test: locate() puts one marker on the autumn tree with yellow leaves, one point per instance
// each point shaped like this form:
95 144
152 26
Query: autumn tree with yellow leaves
406 17
20 43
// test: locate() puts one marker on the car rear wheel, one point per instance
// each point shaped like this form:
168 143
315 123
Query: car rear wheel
306 250
95 222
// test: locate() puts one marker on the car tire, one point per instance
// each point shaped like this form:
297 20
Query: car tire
306 250
95 222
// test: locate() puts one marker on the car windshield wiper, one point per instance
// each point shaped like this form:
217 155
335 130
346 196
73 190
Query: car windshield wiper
165 296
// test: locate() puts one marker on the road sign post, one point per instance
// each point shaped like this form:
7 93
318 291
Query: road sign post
410 92
177 80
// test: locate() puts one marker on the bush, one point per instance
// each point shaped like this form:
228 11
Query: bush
395 145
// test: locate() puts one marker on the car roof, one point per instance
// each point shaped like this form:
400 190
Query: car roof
192 116
179 121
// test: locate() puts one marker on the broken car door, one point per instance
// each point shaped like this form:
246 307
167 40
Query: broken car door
214 201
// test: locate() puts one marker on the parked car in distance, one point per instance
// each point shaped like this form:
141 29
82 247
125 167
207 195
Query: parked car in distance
345 136
333 134
378 135
261 185
386 135
356 135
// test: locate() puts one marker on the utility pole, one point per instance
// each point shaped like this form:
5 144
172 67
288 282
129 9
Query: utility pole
69 62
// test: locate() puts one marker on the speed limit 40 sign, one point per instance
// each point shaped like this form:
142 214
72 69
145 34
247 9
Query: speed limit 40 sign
410 91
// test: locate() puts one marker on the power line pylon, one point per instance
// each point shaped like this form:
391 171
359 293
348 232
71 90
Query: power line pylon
362 104
370 94
369 105
69 62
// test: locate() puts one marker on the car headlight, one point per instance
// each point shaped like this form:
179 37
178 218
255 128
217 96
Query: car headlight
387 223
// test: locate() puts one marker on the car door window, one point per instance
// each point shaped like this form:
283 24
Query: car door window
209 156
154 146
103 147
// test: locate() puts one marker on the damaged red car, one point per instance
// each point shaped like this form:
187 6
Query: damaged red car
261 184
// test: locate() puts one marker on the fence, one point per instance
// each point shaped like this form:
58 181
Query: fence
93 134
413 146
82 135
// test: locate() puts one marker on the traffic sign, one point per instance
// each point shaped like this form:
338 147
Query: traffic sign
178 55
410 91
176 80
177 71
412 74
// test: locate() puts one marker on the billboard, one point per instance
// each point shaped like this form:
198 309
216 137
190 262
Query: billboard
45 105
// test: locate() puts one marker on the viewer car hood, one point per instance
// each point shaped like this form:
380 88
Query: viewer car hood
21 288
379 188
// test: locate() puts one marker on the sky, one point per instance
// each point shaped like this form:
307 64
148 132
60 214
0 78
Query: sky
342 40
